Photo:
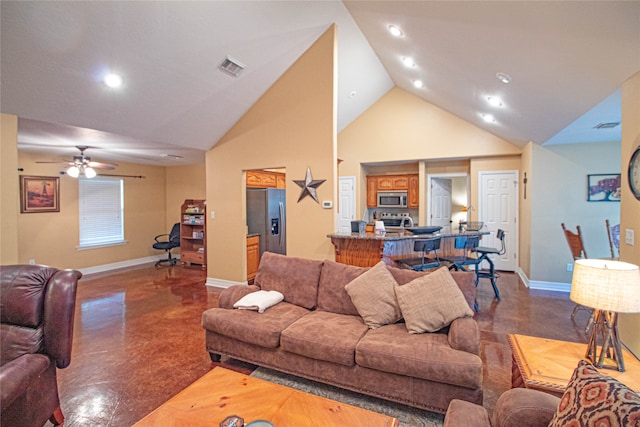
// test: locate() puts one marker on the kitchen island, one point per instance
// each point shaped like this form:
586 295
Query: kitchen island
367 249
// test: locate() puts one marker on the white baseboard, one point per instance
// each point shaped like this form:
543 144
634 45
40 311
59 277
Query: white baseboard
523 277
120 264
550 286
543 286
221 283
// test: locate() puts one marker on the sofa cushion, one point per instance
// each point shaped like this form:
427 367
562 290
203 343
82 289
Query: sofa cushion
331 293
392 349
261 329
431 302
325 336
592 398
464 279
374 296
25 284
296 278
16 341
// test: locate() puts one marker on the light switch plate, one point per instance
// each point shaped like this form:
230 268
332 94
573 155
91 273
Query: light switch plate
629 236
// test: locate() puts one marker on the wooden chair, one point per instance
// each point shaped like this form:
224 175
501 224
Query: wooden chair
613 233
576 246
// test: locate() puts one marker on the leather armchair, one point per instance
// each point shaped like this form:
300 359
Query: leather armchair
37 307
516 407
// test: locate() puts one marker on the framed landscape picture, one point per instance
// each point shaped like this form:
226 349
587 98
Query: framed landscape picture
39 194
603 187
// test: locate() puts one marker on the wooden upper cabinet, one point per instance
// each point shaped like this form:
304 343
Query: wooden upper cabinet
409 182
413 198
372 190
265 179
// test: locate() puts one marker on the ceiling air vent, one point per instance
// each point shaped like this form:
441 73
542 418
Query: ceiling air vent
172 156
231 66
606 125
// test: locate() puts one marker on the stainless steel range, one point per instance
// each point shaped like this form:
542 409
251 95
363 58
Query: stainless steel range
395 219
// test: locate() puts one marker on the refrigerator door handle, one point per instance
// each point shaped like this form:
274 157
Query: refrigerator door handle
282 223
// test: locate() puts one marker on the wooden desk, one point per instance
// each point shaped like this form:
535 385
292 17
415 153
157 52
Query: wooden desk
547 365
221 393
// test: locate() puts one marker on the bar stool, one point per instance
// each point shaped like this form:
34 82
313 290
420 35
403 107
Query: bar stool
484 252
423 246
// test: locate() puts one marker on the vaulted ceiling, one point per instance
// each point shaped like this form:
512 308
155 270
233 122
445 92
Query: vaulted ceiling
566 61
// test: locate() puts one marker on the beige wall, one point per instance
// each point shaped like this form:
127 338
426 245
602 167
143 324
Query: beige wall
525 208
183 182
401 127
630 206
52 238
292 126
9 189
559 194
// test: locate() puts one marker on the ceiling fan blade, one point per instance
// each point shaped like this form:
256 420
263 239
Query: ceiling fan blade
62 161
98 165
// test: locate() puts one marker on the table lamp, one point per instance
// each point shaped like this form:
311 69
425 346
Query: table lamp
609 287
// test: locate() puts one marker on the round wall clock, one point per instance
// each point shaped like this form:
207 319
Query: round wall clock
634 173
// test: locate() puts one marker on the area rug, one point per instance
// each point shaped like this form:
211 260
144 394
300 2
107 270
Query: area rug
408 416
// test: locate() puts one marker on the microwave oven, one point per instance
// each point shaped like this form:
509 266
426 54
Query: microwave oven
392 199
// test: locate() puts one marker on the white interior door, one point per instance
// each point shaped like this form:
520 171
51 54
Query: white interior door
498 199
346 203
441 203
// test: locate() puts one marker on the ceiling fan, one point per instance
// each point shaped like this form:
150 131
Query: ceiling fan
82 165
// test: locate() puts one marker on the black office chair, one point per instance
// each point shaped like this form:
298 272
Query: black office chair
484 252
424 246
166 242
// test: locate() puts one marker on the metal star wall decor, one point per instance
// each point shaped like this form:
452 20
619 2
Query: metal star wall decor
309 186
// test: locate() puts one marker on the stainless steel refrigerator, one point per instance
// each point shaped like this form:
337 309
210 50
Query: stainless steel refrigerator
266 215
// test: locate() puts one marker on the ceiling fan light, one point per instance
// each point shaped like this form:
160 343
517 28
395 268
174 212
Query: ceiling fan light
73 171
89 172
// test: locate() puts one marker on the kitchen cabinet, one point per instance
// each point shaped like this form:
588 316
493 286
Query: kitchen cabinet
372 190
253 256
413 196
265 179
193 237
408 182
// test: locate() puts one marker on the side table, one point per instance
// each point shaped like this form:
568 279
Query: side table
547 365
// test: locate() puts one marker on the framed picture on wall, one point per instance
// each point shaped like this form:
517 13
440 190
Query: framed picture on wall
39 194
603 187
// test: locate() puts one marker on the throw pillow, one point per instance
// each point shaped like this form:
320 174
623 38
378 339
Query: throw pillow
372 293
595 399
259 300
431 302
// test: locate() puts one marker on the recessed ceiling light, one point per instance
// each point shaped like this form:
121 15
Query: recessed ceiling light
395 31
503 77
494 101
113 80
488 118
408 62
353 94
418 84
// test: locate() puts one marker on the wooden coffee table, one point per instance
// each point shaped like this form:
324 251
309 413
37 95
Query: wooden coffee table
547 365
222 392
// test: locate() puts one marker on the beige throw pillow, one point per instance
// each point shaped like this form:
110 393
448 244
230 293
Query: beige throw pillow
373 295
431 302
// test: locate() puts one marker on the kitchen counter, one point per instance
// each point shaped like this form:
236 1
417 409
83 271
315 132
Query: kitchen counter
367 249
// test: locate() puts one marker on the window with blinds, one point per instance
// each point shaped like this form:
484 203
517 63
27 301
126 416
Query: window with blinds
101 203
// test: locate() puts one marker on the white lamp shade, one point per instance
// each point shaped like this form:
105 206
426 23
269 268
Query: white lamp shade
89 172
73 171
606 285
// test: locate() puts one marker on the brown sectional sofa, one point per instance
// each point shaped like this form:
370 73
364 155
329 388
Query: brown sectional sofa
317 333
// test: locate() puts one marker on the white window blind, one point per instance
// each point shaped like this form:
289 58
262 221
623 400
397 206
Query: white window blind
101 203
